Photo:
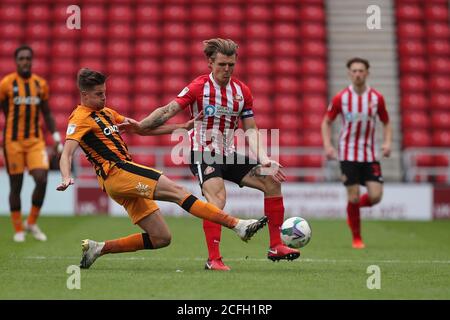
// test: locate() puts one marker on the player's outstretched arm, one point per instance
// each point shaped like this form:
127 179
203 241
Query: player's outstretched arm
65 164
160 116
330 151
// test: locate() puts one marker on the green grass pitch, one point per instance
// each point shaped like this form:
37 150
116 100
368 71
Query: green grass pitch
413 257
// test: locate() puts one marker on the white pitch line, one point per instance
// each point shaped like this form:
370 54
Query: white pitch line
304 260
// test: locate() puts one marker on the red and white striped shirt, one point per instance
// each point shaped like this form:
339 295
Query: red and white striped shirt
357 137
222 107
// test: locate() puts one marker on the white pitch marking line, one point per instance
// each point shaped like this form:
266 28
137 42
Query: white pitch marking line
306 260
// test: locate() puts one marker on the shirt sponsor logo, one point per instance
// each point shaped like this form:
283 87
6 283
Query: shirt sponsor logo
110 130
27 100
211 110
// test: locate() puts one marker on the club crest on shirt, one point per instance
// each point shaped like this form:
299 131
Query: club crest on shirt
183 92
238 97
208 170
210 110
71 129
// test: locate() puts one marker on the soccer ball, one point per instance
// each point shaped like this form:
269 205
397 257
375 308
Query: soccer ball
295 232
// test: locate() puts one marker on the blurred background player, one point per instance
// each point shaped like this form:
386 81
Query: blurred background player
224 100
359 105
23 97
94 127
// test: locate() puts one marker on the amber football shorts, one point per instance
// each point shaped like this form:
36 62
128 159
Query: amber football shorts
132 186
30 154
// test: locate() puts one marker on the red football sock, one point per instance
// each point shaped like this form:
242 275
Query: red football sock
364 201
213 232
354 219
274 210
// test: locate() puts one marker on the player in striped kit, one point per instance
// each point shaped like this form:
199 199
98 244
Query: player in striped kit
359 105
224 100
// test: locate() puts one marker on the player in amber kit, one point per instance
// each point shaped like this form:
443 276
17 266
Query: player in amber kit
93 127
359 105
225 100
23 97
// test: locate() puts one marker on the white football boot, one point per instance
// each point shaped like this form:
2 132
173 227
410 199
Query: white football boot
19 236
91 251
245 229
35 231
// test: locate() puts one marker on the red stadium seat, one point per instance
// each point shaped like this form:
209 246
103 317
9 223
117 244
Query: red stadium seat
140 141
119 84
175 13
63 104
285 30
173 85
414 47
144 103
199 67
290 138
175 67
286 48
287 103
413 83
230 12
259 12
410 30
312 31
37 12
174 48
284 12
413 101
259 67
175 30
290 160
37 31
93 14
286 66
312 121
147 49
440 83
310 160
415 120
61 120
440 65
314 103
95 31
41 67
11 31
120 13
231 30
441 138
438 47
263 104
148 13
203 13
119 67
203 31
312 13
147 84
312 138
286 85
438 30
440 101
147 31
147 66
7 47
92 49
424 160
441 160
314 48
118 102
260 85
61 84
40 48
64 67
314 84
60 31
165 140
287 121
120 31
440 120
310 66
119 49
12 13
260 48
436 12
259 30
413 65
264 121
416 138
92 63
409 11
144 159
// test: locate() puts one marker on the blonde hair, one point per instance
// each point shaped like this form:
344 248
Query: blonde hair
225 46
